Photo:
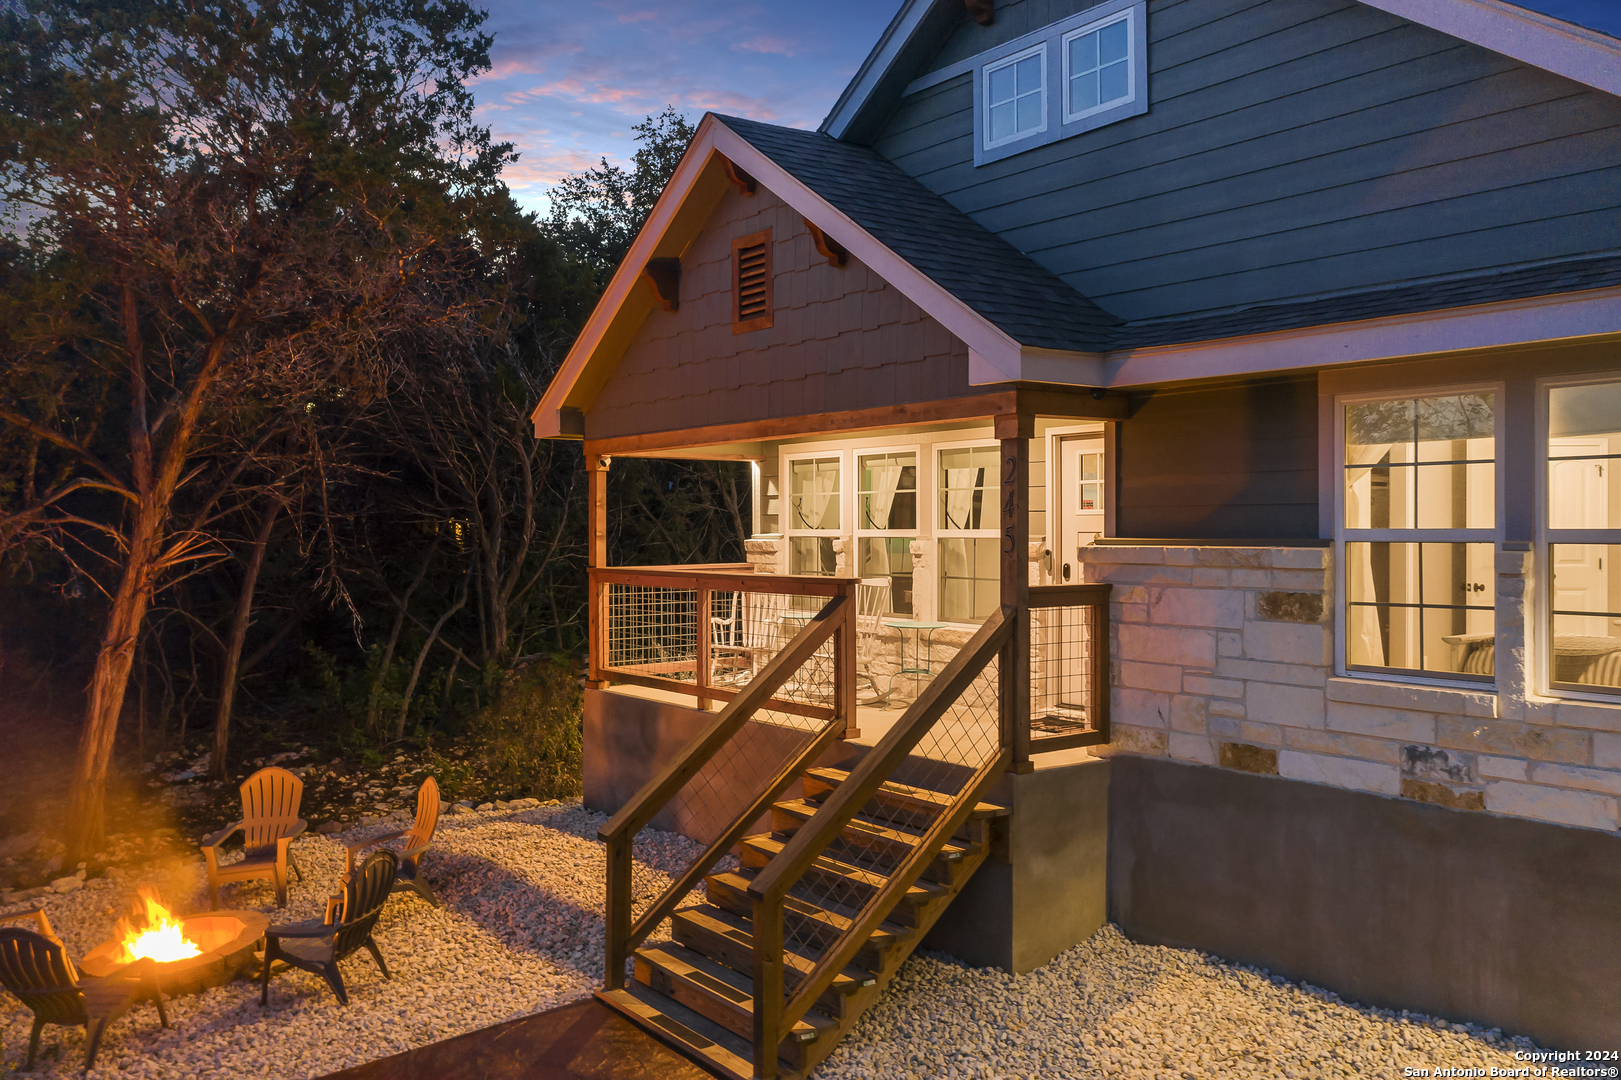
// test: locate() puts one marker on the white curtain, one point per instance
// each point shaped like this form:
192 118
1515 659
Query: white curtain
959 497
1362 623
885 479
813 504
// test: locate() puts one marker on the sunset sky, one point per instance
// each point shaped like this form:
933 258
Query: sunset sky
570 77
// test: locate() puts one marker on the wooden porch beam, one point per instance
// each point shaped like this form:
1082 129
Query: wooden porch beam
995 401
1014 431
596 558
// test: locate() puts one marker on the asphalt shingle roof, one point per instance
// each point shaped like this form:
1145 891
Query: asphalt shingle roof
1024 299
1036 308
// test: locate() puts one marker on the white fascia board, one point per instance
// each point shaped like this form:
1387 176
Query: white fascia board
1543 41
625 278
877 65
1593 313
973 329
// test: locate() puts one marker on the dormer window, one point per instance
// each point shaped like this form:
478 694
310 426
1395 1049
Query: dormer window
1016 97
1078 74
1097 67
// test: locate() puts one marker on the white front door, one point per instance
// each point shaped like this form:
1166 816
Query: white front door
1577 497
1080 503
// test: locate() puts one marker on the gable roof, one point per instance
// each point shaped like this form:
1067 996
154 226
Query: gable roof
1530 32
1024 299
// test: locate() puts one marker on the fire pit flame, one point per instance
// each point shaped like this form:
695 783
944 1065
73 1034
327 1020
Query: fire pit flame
153 932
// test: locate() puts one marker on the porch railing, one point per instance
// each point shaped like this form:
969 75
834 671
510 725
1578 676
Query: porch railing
706 631
1069 670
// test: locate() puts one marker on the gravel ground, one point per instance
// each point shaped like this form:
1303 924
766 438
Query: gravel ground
521 931
1112 1008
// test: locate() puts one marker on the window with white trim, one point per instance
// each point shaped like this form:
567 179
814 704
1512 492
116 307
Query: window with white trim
886 522
1583 536
969 547
1015 97
1098 73
814 514
1077 74
1417 532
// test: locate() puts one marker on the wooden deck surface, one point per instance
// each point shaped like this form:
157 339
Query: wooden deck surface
582 1041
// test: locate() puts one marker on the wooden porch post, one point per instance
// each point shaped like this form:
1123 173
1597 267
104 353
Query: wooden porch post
596 557
1014 431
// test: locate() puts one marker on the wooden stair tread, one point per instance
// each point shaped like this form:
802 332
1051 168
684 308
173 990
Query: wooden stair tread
885 935
872 832
892 792
702 1040
732 936
920 892
727 986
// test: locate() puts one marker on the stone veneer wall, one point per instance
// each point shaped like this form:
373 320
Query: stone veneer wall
1225 656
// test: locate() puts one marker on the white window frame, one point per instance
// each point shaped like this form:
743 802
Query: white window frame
1128 16
789 529
985 97
936 514
1546 537
861 534
1056 122
1343 535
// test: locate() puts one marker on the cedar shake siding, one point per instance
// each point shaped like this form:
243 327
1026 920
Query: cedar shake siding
1226 463
841 338
1292 148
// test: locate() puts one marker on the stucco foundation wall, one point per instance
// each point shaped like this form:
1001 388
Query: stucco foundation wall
628 740
1224 656
1476 917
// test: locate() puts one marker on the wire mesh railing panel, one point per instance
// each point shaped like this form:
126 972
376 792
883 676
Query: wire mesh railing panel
653 630
844 883
742 770
1065 668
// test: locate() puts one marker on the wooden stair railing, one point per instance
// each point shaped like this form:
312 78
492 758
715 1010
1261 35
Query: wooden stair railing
791 948
624 934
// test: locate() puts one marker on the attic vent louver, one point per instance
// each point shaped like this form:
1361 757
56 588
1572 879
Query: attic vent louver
751 282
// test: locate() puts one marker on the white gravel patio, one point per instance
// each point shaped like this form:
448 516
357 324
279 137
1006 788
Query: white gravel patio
521 931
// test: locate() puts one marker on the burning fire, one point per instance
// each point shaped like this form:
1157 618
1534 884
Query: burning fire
153 932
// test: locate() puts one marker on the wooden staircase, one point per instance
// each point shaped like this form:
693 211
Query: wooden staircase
790 948
698 993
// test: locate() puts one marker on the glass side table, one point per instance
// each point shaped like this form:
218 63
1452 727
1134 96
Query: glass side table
922 652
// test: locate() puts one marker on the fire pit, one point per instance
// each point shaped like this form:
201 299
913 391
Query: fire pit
193 953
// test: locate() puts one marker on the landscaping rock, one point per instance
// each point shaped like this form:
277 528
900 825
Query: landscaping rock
501 804
459 808
327 828
486 806
66 884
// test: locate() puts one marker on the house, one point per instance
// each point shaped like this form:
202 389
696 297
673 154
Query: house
1185 440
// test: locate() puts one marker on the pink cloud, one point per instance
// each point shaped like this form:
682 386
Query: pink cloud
764 43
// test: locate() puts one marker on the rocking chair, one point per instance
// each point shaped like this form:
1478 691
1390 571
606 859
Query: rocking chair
318 946
36 968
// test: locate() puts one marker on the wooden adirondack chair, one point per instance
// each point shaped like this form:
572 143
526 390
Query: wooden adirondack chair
269 823
36 968
317 946
417 840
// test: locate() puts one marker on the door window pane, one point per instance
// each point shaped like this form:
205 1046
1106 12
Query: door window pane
1420 607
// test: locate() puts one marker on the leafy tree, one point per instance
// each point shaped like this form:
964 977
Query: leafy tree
233 207
596 214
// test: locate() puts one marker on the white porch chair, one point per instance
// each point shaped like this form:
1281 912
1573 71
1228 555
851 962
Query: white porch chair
872 605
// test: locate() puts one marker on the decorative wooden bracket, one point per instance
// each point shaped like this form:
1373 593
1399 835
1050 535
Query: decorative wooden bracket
830 249
983 11
663 276
743 181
